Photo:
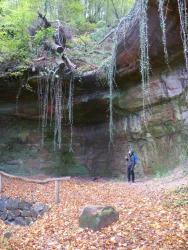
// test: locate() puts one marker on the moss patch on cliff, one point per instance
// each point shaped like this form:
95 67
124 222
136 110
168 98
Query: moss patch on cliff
67 164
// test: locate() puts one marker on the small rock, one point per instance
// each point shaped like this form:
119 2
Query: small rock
7 222
4 198
19 221
44 210
2 206
7 235
34 212
24 205
28 221
16 212
10 216
25 213
3 215
12 204
40 207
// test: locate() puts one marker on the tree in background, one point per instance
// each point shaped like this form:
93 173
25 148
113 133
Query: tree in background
83 16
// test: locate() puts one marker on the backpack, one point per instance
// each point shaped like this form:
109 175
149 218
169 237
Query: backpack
135 159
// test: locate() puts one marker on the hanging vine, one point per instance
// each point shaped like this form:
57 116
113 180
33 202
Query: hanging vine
70 109
44 105
108 71
58 113
144 53
162 15
111 80
51 97
183 13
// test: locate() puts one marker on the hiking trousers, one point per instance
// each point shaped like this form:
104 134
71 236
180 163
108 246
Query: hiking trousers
129 174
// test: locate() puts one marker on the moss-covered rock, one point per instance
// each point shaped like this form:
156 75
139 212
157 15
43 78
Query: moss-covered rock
98 217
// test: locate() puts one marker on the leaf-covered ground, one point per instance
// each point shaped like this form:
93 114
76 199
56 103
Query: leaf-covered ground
153 215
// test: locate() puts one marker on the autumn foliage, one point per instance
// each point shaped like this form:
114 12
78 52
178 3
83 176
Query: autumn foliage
150 216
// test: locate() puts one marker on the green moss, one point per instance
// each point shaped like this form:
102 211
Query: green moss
92 221
161 170
23 134
121 111
15 72
107 170
169 128
178 197
156 131
107 211
65 164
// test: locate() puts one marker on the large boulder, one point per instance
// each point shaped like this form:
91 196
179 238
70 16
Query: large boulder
98 217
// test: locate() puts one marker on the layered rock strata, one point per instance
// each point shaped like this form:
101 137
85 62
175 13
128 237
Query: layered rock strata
160 140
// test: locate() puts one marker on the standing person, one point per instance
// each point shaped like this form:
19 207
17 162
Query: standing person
130 166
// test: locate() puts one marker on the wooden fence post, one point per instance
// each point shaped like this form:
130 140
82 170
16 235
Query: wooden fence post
56 192
1 183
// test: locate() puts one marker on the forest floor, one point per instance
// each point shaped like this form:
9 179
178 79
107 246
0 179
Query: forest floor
153 214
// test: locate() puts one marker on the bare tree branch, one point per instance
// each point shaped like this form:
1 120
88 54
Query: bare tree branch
111 32
115 10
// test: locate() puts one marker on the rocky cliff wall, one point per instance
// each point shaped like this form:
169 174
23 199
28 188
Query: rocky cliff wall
160 140
162 144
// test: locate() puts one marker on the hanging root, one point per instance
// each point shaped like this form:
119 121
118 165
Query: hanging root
70 109
162 16
183 13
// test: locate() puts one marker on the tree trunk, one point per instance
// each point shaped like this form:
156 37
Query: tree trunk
54 47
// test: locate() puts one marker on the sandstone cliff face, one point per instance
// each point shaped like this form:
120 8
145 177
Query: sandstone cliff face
160 141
